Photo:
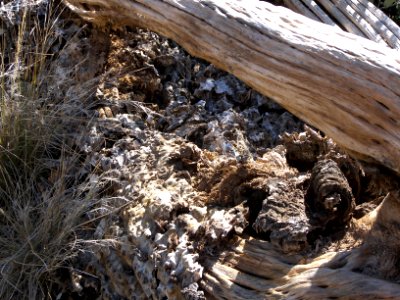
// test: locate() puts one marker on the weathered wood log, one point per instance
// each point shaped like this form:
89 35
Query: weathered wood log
369 8
360 22
356 16
313 6
299 7
346 86
366 12
341 16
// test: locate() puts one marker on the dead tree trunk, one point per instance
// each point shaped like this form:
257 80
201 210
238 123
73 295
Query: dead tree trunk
346 86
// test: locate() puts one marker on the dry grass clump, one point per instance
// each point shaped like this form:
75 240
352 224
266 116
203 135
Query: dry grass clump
36 237
40 210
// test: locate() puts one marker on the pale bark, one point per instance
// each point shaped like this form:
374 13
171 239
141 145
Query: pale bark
358 20
391 29
313 6
356 16
341 17
299 7
367 13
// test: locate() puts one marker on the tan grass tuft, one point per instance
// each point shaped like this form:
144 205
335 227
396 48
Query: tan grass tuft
40 210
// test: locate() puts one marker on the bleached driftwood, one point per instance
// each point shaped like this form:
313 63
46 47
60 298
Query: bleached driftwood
346 86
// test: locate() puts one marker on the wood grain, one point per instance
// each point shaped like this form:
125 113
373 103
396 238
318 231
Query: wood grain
344 85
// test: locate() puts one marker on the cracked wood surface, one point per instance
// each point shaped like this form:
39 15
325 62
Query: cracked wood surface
253 269
345 85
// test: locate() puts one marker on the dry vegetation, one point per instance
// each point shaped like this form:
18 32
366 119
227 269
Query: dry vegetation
41 205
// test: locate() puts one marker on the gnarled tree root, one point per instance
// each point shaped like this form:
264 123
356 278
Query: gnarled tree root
254 269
